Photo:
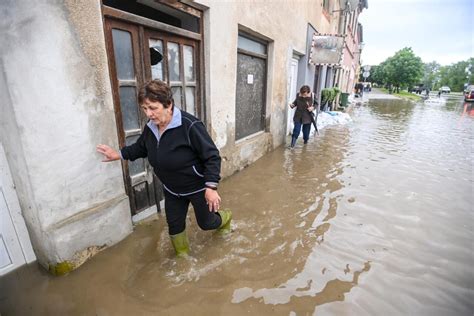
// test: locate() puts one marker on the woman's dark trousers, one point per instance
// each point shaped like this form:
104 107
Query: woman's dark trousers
296 132
176 209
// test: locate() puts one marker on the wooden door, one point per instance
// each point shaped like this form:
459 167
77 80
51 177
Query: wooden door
138 54
127 75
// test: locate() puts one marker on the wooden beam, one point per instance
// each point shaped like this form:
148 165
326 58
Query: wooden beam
125 16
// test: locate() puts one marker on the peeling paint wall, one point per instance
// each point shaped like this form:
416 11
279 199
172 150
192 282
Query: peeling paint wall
57 107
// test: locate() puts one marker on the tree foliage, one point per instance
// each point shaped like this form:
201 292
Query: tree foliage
377 74
404 69
457 75
431 75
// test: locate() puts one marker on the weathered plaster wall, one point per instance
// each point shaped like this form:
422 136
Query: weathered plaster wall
56 106
284 24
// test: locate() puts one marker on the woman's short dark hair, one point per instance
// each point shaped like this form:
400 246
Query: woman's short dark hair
156 91
305 89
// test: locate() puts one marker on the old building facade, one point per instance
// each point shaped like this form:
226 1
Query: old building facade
353 31
70 71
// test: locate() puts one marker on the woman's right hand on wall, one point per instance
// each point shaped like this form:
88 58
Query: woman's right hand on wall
109 153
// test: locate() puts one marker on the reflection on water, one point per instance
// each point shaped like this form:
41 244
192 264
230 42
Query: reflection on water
368 218
392 110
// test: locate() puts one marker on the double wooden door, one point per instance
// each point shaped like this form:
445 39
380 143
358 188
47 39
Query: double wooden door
138 54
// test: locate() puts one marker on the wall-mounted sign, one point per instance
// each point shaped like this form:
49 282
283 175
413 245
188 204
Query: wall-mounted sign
326 49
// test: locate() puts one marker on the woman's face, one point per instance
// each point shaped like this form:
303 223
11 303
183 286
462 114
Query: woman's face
156 112
306 94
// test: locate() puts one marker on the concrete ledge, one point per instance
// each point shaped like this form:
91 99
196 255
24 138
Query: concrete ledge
80 237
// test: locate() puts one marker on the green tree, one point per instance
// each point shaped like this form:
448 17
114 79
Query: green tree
455 76
470 71
404 69
442 77
431 74
377 74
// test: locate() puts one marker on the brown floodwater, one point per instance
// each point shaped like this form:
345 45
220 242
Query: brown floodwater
369 218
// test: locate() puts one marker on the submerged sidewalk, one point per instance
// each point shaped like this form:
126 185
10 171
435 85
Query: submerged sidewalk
375 94
378 94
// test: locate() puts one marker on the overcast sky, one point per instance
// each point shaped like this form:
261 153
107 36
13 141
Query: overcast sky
436 30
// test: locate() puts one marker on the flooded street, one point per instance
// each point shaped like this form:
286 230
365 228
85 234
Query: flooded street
369 218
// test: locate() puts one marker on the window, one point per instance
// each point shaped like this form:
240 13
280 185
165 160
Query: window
250 86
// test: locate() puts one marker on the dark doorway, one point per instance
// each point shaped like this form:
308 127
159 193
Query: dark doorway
140 50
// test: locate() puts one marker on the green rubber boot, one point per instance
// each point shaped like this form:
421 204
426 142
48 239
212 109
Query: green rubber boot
180 244
226 216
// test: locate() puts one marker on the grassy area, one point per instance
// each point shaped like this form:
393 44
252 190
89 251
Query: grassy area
404 94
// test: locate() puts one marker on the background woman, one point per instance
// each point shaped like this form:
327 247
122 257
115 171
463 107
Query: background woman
304 104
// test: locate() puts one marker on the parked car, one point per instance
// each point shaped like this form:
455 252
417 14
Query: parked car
445 89
418 89
469 94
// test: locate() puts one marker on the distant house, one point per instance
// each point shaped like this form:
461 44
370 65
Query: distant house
353 48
